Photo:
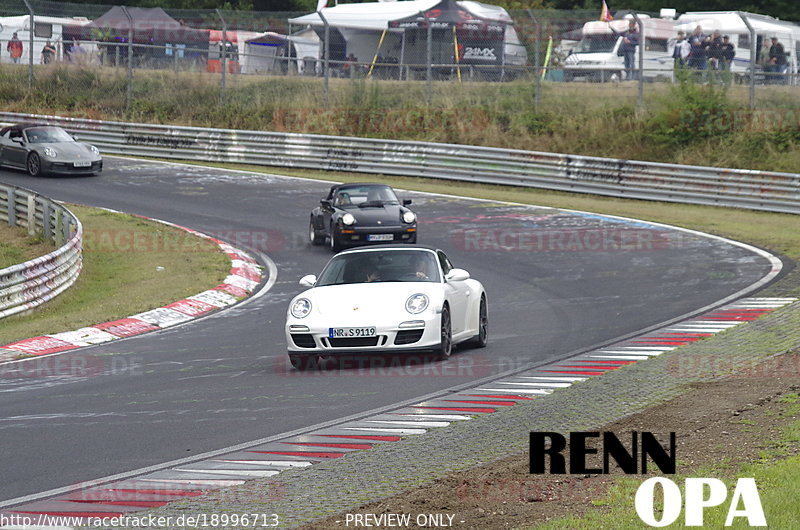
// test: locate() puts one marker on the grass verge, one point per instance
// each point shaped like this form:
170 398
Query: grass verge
130 265
16 246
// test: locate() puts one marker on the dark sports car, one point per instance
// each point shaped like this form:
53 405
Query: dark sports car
40 149
359 214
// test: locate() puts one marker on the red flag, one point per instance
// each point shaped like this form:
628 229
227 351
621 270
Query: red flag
605 14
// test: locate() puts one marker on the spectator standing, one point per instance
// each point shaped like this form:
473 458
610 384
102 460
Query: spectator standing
14 48
48 53
777 61
680 50
698 54
727 52
627 48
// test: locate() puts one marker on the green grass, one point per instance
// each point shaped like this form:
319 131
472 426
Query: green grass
122 275
16 246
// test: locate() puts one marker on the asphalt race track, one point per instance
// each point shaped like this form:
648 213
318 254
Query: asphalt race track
557 282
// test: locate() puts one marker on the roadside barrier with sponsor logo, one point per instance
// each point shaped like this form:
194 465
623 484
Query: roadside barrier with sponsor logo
30 284
758 190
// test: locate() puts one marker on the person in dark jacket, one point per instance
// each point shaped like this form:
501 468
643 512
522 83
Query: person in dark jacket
777 61
627 48
698 55
727 52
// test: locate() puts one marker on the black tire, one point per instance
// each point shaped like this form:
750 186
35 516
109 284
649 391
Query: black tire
303 361
34 164
482 338
334 245
313 236
445 347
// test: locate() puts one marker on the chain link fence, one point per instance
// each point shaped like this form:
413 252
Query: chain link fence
419 44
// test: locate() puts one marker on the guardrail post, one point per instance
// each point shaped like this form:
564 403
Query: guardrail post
537 79
47 226
30 45
429 57
58 228
129 94
326 54
31 214
223 58
640 98
12 207
753 55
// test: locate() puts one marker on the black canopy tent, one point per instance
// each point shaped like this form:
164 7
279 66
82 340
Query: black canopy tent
479 41
151 26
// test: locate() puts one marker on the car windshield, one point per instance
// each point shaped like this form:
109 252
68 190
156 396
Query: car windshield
47 135
596 43
380 266
364 197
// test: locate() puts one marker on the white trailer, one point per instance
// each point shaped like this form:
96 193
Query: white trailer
45 29
730 23
595 57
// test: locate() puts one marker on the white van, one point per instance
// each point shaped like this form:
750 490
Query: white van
595 57
45 29
731 24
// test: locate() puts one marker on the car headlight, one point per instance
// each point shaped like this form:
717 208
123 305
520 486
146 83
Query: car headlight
348 219
417 303
301 308
409 217
49 151
94 150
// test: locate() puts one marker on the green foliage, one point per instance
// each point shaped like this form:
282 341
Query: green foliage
692 113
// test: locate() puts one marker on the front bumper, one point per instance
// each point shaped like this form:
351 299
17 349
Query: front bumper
68 168
352 236
415 333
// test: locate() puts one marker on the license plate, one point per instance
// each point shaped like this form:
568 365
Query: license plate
342 333
380 237
82 163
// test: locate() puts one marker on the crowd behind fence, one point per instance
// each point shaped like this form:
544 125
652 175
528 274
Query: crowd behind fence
536 46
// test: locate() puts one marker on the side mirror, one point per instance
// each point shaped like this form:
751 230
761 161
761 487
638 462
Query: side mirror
18 140
406 202
325 203
457 275
308 280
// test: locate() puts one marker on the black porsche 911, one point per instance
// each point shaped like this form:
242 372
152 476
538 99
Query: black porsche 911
360 214
40 149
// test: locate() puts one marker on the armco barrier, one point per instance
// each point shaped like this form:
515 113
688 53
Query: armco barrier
29 284
759 190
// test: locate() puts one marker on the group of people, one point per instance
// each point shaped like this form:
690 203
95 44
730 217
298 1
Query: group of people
703 52
15 48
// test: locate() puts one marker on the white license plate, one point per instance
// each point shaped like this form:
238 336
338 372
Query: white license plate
344 333
380 237
82 163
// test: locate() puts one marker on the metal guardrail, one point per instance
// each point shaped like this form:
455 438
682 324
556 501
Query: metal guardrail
30 284
758 190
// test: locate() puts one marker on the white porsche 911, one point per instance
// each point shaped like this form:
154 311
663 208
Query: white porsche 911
389 298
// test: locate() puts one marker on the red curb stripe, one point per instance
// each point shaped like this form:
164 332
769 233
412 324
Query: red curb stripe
501 396
126 327
660 342
457 409
363 437
40 345
231 290
331 445
501 403
73 514
309 454
135 504
178 493
589 367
